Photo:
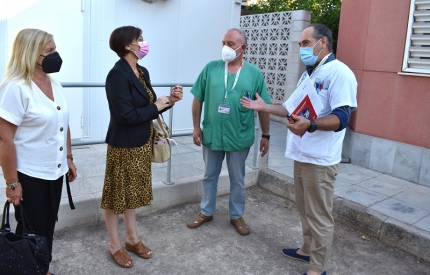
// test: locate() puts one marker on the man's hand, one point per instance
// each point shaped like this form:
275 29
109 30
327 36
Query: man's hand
197 136
258 104
300 125
264 146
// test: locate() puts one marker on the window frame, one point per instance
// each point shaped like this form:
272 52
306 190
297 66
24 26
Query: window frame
406 69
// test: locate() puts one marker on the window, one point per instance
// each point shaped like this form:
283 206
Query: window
417 48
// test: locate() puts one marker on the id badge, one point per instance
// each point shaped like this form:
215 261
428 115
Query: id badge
224 108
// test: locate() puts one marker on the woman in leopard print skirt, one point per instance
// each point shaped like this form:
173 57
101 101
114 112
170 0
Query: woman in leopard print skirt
133 105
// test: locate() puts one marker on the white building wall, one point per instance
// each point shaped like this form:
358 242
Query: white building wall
63 19
183 35
3 48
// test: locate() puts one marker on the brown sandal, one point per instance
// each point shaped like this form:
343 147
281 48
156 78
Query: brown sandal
140 249
122 258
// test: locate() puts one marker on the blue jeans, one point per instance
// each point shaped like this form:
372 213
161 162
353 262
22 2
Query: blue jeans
236 171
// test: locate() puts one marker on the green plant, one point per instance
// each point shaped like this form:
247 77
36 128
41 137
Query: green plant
325 12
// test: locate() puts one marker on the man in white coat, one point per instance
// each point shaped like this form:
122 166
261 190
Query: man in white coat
317 153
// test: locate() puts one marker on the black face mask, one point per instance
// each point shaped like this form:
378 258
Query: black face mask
51 63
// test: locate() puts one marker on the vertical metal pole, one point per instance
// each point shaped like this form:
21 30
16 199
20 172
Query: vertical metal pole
169 162
256 138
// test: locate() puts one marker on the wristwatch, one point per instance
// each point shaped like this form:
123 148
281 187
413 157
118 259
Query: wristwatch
266 136
313 127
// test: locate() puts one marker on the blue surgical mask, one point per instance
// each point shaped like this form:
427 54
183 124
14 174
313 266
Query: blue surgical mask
307 55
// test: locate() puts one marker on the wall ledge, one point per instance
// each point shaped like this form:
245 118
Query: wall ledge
413 74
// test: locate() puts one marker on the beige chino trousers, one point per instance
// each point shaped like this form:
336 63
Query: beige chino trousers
314 188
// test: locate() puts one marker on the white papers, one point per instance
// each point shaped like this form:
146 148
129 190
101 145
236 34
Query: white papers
304 98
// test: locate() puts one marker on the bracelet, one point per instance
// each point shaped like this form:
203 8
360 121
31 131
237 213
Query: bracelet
70 157
12 185
266 136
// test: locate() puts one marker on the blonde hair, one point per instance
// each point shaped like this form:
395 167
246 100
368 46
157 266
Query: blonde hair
26 50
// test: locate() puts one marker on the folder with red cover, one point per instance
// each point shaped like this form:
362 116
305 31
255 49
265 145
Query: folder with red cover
304 109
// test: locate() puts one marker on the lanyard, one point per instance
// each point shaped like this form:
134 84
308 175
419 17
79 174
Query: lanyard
316 69
225 79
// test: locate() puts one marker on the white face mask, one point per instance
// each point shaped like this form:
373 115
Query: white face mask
228 54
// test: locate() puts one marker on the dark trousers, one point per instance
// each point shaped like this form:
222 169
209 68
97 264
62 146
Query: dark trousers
41 200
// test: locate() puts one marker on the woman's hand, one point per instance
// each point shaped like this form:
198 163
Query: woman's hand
176 94
14 196
72 174
162 102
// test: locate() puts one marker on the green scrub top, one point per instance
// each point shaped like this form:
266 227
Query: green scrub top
233 131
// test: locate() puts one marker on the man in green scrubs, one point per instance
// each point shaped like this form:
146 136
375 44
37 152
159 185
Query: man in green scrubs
227 128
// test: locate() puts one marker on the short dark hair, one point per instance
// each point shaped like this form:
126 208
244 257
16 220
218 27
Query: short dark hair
321 31
121 37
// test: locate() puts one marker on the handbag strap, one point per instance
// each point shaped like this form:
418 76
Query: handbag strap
161 123
5 226
69 193
26 227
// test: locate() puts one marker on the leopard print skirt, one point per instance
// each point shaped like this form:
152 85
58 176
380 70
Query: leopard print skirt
128 178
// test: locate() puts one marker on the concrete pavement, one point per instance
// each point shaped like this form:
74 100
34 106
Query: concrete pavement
216 248
392 210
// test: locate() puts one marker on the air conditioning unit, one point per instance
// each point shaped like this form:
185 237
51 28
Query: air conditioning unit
150 1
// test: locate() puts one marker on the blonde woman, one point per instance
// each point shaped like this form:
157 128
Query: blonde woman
35 148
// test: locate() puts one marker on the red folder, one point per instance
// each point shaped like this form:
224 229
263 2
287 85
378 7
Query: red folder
304 109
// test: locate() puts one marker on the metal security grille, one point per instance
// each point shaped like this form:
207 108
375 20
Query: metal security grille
417 50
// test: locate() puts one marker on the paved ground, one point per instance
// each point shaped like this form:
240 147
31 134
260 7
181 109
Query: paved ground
392 197
216 248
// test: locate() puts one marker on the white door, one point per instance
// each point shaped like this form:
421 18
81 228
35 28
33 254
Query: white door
64 20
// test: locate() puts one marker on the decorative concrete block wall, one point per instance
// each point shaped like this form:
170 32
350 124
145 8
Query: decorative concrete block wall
394 158
273 47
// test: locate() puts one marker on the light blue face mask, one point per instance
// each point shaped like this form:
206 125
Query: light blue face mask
307 55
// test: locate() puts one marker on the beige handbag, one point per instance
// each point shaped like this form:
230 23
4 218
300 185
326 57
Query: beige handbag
161 143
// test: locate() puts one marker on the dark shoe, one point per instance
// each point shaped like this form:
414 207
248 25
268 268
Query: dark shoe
324 273
199 220
241 226
292 253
